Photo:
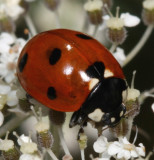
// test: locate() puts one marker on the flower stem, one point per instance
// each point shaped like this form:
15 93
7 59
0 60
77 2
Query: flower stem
95 30
30 24
82 154
12 124
52 155
63 143
57 19
139 45
113 47
149 155
130 124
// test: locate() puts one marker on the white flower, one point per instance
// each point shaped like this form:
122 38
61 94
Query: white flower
26 144
131 94
43 124
101 144
30 157
1 118
9 55
125 19
148 4
93 5
6 40
23 139
119 55
126 150
130 20
28 148
10 8
8 95
6 144
12 99
121 148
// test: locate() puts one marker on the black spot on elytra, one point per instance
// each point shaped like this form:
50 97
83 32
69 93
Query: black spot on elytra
83 36
51 93
96 70
23 62
54 56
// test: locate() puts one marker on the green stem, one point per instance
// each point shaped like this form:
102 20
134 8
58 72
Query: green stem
57 19
139 45
62 140
95 30
52 155
30 24
113 47
12 124
82 154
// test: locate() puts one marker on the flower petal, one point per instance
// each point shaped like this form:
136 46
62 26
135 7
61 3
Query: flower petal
12 99
141 150
113 149
100 145
127 154
133 153
119 55
130 20
4 89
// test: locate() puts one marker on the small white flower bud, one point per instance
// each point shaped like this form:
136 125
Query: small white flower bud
93 5
6 145
23 139
115 23
116 32
148 4
43 124
94 9
8 149
29 148
44 136
148 12
131 94
26 144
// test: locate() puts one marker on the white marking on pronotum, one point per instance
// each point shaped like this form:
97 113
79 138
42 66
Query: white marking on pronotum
92 83
108 73
121 113
96 115
112 119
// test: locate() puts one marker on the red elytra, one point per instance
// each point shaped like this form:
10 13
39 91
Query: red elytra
52 67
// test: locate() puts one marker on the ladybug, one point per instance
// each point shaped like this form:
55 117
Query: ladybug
69 71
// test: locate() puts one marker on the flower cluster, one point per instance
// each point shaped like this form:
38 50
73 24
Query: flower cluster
121 149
